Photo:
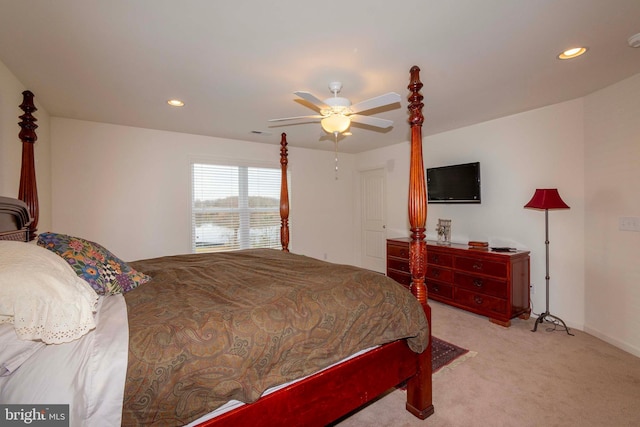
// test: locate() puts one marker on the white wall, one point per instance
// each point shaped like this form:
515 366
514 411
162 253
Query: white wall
542 148
11 147
321 205
612 181
129 189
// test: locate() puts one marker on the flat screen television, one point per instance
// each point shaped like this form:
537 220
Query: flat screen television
454 183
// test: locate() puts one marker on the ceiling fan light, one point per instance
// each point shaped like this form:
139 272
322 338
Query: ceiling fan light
335 123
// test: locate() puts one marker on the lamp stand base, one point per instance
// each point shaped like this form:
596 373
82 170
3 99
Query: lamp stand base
554 320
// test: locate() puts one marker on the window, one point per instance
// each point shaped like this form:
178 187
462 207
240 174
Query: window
234 207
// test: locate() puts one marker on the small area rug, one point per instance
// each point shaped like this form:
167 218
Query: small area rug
445 354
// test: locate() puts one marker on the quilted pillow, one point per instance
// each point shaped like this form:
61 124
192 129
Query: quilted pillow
106 273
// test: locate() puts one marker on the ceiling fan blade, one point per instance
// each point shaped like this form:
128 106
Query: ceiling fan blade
317 116
378 101
371 121
312 99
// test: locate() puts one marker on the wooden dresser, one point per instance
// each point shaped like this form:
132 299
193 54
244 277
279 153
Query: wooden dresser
492 284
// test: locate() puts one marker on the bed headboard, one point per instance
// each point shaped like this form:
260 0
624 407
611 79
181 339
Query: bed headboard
14 220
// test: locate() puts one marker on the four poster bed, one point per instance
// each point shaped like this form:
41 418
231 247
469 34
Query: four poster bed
383 330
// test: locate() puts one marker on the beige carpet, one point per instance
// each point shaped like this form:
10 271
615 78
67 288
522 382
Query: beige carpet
519 378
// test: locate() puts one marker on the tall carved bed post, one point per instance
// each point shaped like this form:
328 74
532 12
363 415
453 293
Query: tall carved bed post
418 395
28 191
284 195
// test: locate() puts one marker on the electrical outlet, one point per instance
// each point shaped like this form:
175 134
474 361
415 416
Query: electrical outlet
629 223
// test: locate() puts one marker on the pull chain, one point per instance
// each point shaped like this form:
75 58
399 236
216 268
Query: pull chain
335 134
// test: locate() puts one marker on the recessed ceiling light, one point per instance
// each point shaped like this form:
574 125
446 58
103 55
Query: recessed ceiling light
572 53
175 103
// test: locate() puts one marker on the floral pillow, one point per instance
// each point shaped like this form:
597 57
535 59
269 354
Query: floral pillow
106 273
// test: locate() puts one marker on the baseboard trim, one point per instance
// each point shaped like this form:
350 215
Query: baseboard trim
613 341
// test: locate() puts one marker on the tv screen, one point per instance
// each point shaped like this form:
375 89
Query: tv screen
454 183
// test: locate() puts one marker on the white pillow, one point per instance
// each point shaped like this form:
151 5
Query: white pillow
42 296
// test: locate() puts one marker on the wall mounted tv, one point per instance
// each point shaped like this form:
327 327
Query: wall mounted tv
454 183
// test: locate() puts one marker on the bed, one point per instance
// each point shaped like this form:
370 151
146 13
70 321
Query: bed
293 369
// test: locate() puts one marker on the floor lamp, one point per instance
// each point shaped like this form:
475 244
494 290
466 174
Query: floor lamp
547 198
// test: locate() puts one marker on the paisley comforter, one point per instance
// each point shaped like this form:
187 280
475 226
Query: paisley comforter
213 327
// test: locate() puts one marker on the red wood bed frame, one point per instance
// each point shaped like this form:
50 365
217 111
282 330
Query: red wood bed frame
324 397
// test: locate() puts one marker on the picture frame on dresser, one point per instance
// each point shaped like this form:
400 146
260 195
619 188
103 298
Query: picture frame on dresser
480 280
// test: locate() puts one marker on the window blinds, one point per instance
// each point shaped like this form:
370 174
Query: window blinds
235 207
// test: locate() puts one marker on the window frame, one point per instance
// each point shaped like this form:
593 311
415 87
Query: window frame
244 212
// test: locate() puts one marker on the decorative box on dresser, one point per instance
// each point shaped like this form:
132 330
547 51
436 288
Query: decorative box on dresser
485 282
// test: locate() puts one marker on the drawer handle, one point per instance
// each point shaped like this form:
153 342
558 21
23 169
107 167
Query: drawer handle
477 299
477 266
436 273
435 258
436 288
477 283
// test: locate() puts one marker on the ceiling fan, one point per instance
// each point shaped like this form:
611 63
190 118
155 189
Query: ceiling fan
337 113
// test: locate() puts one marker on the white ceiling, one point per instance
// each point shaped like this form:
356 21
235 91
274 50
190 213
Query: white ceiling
237 63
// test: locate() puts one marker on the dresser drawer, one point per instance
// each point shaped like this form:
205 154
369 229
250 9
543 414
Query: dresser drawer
482 266
484 304
398 264
398 251
439 258
437 273
400 277
483 285
441 290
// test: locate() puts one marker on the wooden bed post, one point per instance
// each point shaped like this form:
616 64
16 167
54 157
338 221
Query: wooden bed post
419 389
284 195
28 191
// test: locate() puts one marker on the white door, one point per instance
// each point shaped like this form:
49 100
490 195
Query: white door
372 186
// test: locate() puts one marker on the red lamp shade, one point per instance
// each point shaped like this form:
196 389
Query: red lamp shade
546 198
